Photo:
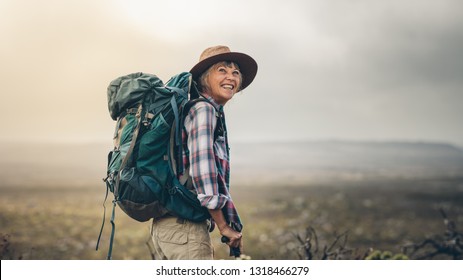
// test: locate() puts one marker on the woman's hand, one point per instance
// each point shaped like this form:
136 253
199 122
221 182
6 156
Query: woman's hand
235 238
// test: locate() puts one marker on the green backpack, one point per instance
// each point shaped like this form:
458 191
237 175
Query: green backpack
147 144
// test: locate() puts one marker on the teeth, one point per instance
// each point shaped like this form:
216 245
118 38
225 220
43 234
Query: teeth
228 86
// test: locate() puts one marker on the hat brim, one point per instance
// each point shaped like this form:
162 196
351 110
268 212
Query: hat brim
247 65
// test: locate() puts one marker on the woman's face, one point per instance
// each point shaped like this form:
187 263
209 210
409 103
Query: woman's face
224 81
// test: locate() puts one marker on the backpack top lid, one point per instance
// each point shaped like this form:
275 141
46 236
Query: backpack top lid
127 91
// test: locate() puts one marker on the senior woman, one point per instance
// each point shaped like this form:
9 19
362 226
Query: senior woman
219 74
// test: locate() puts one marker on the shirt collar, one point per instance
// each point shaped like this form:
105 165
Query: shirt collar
217 106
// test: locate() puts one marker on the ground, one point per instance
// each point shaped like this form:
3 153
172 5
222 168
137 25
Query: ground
45 222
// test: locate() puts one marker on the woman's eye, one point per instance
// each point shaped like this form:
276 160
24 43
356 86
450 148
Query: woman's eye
222 70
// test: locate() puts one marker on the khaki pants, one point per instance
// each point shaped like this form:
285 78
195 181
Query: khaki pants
178 239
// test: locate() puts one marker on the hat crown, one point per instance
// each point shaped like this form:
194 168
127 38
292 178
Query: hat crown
212 51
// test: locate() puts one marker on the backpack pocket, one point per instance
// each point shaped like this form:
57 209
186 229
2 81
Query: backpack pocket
177 199
137 199
152 149
114 161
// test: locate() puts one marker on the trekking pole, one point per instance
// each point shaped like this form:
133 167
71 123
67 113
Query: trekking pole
235 250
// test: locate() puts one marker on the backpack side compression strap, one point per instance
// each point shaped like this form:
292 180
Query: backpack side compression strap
118 177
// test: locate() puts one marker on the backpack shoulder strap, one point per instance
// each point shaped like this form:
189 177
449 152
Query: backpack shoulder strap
220 128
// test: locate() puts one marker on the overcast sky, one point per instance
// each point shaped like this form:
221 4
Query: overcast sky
356 70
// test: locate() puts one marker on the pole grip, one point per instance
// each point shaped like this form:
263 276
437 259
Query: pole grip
235 250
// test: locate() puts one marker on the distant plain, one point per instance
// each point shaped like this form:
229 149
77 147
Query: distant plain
384 194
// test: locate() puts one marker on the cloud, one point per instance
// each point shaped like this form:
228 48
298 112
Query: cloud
327 69
58 58
382 70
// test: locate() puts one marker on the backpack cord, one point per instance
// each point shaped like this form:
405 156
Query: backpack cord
104 218
116 132
113 230
118 177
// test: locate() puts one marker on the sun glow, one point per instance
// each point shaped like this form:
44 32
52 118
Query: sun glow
172 20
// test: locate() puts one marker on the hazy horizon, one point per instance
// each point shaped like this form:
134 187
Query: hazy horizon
109 141
299 163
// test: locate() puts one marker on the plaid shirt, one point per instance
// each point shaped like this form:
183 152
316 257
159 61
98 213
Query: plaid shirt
208 160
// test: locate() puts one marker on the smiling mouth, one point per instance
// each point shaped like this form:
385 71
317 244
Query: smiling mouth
231 87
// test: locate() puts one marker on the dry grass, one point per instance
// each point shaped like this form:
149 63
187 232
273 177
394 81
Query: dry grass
63 223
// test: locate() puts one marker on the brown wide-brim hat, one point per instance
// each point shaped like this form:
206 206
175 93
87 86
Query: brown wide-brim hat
212 55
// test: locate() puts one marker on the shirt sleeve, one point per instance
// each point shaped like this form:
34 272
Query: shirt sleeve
199 125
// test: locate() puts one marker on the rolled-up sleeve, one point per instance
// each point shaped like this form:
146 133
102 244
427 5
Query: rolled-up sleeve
199 125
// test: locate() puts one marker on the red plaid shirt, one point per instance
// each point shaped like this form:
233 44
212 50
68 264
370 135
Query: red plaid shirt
208 160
